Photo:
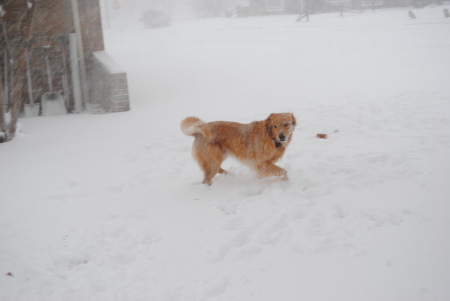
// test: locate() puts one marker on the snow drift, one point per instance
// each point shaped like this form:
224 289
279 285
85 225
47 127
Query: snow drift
110 207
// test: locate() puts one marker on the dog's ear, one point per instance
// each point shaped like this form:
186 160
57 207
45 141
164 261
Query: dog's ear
269 124
293 120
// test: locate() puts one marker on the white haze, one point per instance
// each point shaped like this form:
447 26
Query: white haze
111 207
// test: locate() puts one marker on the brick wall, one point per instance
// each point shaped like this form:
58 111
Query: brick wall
109 84
51 22
91 26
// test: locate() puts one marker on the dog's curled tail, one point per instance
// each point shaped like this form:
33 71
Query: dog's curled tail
192 126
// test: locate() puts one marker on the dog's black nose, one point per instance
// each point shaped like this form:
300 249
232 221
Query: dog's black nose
282 137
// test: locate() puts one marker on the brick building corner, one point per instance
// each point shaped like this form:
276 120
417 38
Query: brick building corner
51 31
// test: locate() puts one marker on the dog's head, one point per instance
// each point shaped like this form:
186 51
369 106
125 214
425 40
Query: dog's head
280 127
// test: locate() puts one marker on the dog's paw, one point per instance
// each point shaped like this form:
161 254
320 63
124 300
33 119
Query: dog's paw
223 171
207 182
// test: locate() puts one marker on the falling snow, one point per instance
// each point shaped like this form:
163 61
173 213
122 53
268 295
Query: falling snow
111 207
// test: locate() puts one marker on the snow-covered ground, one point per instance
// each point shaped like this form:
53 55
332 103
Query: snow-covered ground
111 207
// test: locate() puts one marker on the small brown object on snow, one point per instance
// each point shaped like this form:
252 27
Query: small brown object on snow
10 274
322 136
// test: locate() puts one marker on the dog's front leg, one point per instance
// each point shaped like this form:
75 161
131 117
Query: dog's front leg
267 169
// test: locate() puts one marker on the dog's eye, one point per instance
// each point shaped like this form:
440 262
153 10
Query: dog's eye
286 125
275 126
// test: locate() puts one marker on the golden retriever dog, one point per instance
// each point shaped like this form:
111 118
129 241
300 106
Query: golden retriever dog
258 144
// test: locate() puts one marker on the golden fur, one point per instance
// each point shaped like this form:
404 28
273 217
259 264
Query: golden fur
258 144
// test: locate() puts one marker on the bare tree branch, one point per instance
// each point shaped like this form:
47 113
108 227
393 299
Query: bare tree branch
21 26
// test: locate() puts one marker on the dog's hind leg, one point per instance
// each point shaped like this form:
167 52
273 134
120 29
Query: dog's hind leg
209 175
209 156
211 172
210 169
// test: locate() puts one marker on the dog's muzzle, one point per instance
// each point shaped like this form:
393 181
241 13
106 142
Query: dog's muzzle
282 137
